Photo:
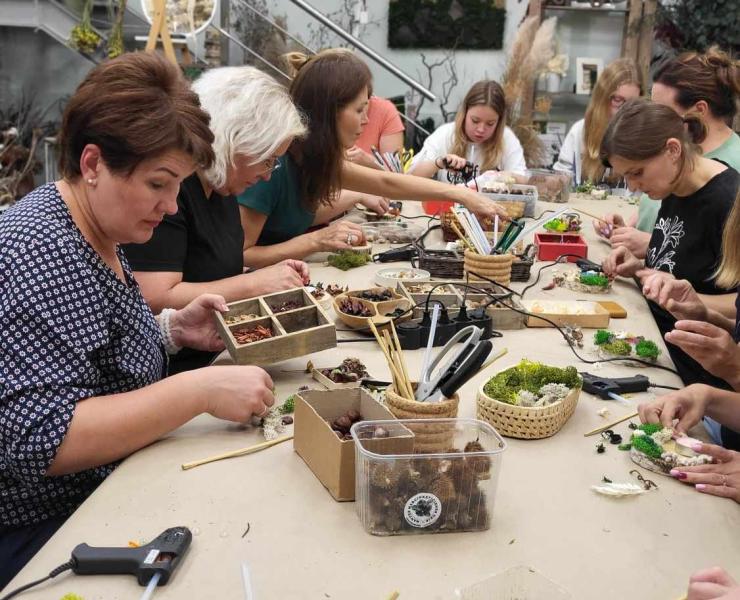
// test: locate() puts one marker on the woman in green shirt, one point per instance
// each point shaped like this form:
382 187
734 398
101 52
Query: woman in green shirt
331 89
706 84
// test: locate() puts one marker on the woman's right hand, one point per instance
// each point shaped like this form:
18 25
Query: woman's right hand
284 275
621 262
713 584
338 235
608 224
235 393
688 405
450 161
677 296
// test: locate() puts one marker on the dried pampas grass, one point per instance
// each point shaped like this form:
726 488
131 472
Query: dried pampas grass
523 41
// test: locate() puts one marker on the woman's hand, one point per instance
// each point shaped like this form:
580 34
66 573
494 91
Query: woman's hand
621 262
377 204
338 235
360 157
194 325
712 584
720 478
711 346
688 405
677 296
281 276
634 240
450 161
235 393
481 206
608 224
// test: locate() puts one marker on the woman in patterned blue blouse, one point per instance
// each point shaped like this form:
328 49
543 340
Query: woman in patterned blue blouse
82 358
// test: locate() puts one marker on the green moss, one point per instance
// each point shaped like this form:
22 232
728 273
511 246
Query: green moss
618 348
625 447
288 406
72 597
347 259
595 280
602 336
647 445
556 225
647 349
586 187
650 428
531 376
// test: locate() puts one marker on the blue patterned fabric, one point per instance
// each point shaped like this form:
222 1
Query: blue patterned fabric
70 329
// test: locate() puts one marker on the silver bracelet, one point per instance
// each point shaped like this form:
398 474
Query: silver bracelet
164 327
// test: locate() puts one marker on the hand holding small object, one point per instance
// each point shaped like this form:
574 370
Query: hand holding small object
450 162
339 235
377 204
236 393
677 296
711 346
621 262
687 405
194 326
608 224
719 478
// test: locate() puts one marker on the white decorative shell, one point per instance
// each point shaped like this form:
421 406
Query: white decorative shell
618 490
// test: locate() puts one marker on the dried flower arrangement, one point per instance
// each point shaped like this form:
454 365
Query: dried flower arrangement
349 371
622 343
581 281
532 384
567 223
402 487
274 422
654 448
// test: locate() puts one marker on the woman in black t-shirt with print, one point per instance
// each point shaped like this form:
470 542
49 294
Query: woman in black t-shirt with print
654 149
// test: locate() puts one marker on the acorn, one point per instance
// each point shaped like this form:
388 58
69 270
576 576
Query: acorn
354 415
343 423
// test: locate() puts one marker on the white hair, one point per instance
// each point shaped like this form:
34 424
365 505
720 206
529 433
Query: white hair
251 114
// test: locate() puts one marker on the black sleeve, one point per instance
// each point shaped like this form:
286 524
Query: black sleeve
167 249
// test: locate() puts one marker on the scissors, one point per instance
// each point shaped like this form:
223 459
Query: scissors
406 156
465 362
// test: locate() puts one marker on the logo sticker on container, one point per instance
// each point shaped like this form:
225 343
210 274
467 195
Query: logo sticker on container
422 510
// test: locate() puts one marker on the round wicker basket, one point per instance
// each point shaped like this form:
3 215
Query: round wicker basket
524 422
432 437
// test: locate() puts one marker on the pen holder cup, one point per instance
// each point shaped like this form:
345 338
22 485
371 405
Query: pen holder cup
492 266
429 438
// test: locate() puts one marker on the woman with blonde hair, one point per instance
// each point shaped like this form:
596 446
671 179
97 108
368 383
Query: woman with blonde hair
332 90
579 154
479 134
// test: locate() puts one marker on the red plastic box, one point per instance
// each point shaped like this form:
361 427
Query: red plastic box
552 245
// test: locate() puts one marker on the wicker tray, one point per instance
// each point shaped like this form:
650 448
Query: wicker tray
442 264
529 423
522 265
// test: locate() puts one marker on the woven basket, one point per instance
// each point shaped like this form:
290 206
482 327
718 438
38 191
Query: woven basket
528 423
520 268
434 437
492 266
443 264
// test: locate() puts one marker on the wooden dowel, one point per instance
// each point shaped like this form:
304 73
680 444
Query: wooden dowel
234 453
389 360
459 234
404 369
612 424
588 214
405 390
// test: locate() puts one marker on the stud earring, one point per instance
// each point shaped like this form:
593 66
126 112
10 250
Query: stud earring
92 181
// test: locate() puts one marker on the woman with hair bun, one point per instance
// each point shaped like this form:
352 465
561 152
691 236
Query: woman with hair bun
331 89
654 149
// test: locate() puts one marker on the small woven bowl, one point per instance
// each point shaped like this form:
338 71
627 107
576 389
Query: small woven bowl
427 438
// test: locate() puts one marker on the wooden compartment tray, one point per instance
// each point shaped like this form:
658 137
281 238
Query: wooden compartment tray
378 309
297 331
590 315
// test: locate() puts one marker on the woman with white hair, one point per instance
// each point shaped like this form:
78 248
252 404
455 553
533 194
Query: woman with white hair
199 249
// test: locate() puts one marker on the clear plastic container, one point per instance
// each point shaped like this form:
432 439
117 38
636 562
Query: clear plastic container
392 232
517 583
446 484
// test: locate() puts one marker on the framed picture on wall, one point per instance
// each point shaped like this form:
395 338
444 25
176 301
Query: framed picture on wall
587 72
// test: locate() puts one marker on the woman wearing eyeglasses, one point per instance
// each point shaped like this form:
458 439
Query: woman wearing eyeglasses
199 249
579 154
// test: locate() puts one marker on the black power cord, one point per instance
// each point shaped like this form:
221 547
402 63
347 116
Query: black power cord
60 569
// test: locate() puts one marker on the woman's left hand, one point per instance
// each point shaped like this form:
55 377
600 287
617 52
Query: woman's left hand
711 346
194 325
721 478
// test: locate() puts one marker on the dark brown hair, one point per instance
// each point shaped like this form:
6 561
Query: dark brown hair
324 84
134 107
712 76
641 128
483 93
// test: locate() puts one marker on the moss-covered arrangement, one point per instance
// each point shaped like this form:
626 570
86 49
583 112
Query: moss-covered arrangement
626 344
530 377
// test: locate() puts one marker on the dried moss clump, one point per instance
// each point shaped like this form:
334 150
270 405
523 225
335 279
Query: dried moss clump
618 348
647 445
347 259
529 376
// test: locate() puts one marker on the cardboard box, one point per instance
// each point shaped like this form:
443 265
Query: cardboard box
333 460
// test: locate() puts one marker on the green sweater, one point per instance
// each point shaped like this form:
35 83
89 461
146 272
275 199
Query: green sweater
729 153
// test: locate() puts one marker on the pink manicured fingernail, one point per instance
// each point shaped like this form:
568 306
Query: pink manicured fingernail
678 474
697 446
700 487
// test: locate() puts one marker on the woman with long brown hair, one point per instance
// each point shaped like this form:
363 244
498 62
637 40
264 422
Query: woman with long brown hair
478 134
580 152
655 150
331 90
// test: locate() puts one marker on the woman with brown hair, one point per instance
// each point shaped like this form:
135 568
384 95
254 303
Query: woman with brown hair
83 358
331 89
580 152
654 149
479 134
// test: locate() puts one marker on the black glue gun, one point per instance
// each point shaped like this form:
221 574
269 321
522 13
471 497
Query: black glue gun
160 556
604 386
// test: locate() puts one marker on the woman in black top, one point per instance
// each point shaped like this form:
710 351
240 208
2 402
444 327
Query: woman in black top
199 249
653 148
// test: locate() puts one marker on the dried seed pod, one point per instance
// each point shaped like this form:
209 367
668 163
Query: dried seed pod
443 488
380 432
480 465
342 423
287 420
474 446
354 415
384 476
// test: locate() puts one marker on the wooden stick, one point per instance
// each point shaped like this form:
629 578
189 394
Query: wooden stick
492 360
394 596
459 234
406 386
234 453
389 360
588 214
612 424
403 359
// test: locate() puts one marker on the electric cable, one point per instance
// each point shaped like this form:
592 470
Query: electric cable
60 569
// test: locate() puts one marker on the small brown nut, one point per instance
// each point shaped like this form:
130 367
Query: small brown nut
347 436
343 422
287 420
340 435
354 415
380 432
